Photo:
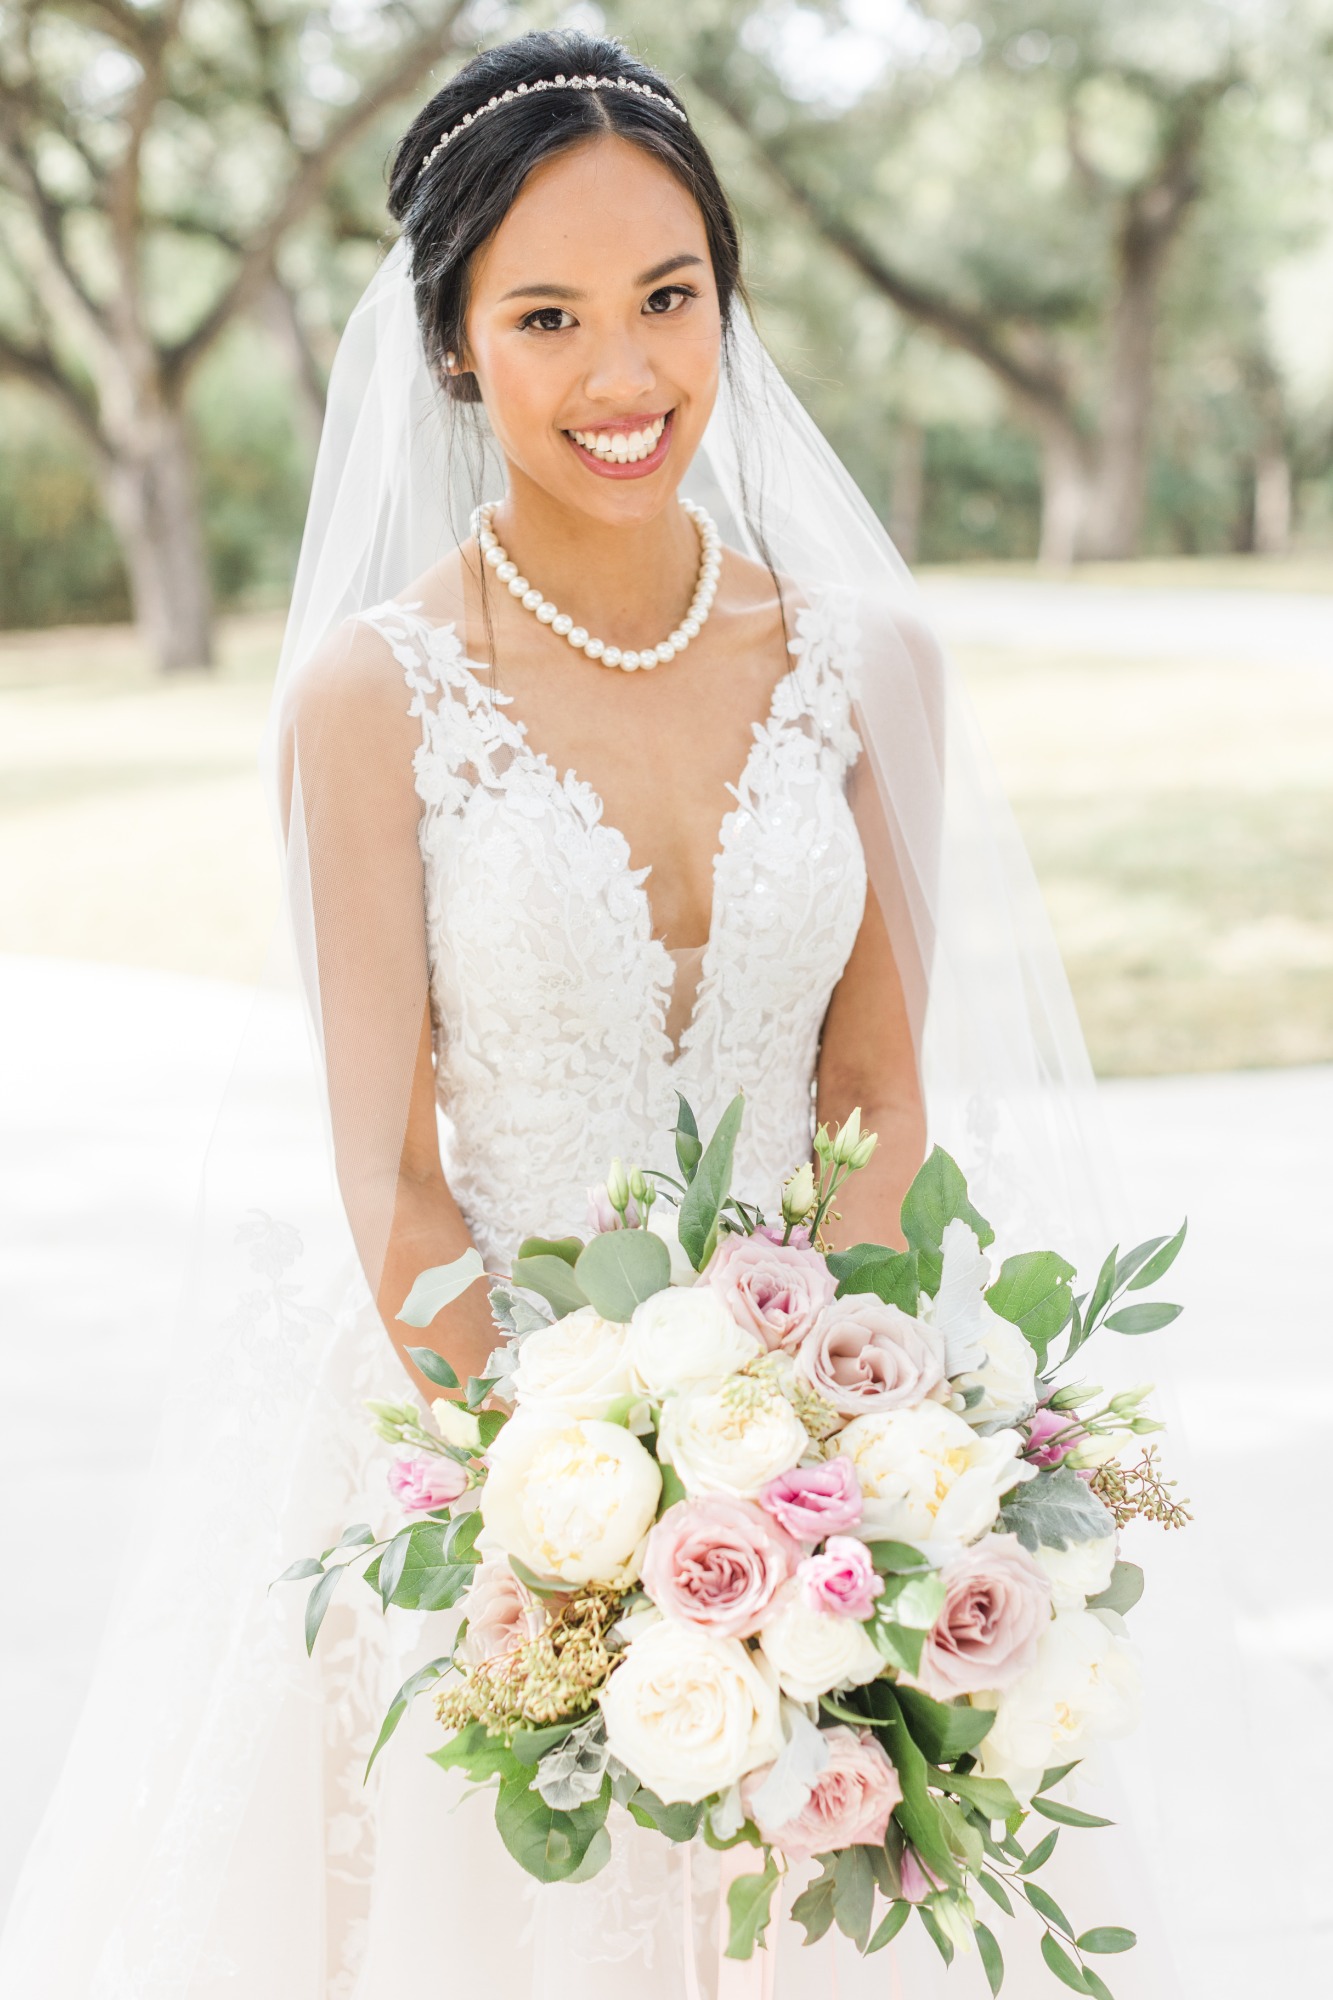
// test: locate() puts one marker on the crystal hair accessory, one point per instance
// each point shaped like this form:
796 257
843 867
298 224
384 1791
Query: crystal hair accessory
549 83
560 622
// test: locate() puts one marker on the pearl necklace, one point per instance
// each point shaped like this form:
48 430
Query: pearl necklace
705 590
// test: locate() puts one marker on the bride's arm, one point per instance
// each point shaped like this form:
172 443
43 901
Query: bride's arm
867 1058
358 906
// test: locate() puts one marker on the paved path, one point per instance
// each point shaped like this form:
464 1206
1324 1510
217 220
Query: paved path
108 1078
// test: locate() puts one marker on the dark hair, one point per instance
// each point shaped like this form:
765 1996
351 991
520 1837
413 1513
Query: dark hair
448 211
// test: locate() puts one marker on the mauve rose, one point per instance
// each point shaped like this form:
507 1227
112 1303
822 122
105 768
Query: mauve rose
997 1604
842 1578
418 1484
717 1563
812 1501
849 1804
863 1355
1044 1424
775 1290
501 1615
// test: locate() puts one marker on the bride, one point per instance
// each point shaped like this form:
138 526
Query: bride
614 760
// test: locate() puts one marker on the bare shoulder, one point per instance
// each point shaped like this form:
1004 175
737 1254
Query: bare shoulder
758 602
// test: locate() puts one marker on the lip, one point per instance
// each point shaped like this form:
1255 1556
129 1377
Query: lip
608 468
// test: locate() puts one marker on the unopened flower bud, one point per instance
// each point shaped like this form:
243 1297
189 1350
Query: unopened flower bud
455 1424
1099 1450
798 1195
865 1151
848 1139
639 1189
1126 1404
617 1187
823 1144
1142 1425
390 1419
1072 1394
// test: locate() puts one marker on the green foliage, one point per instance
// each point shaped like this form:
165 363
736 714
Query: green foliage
435 1289
1033 1292
709 1187
890 1275
937 1197
1055 1509
749 1907
621 1268
943 1730
551 1278
547 1842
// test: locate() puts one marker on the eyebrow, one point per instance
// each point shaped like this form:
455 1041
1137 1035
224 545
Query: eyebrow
568 292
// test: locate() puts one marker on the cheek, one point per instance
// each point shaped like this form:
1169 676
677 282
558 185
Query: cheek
521 390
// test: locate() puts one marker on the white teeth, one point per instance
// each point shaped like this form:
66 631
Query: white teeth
624 447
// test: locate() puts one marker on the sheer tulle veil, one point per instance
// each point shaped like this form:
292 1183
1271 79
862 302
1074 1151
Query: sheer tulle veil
179 1855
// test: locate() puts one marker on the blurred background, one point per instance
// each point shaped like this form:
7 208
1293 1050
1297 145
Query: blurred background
1056 279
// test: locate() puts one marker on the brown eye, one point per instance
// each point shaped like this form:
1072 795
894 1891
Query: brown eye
540 321
661 301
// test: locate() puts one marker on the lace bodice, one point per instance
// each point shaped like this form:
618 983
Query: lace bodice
549 992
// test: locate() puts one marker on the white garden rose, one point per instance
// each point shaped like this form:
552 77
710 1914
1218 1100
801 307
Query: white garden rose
731 1439
579 1367
1007 1377
813 1651
665 1222
691 1713
1081 1571
1083 1687
570 1497
926 1476
684 1338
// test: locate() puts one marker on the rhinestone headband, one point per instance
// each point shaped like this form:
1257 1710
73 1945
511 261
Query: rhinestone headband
549 83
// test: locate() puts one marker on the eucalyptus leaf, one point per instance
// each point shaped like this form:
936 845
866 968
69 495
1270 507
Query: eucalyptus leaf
991 1796
1107 1937
424 1677
1101 1291
391 1565
996 1891
321 1596
620 1269
1062 1965
1055 1510
1158 1266
1041 1853
1142 1319
749 1906
1048 1907
896 1917
1095 1984
931 1924
709 1187
1066 1815
895 1557
914 1600
435 1289
433 1366
1122 1593
552 1280
303 1566
992 1959
567 1248
688 1147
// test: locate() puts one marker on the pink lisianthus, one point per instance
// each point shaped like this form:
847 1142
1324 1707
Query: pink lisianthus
776 1291
812 1501
776 1232
717 1563
602 1217
422 1482
502 1614
997 1604
1043 1425
842 1578
917 1880
849 1804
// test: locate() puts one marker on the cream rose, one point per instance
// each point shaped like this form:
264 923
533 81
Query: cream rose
1081 1571
578 1367
690 1713
926 1476
571 1497
1007 1377
1084 1686
501 1615
732 1439
684 1338
812 1651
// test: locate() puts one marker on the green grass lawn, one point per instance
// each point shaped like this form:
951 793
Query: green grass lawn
1179 814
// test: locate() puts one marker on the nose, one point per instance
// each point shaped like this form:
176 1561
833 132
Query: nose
621 373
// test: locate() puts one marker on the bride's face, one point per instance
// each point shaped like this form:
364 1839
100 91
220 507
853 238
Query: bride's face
594 330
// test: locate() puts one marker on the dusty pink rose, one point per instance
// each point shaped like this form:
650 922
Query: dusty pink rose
501 1615
717 1563
842 1578
997 1604
850 1804
863 1355
774 1290
917 1880
812 1501
1044 1424
420 1483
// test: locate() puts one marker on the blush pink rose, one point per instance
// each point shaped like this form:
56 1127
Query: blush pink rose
862 1355
420 1483
997 1604
501 1613
718 1564
812 1501
841 1578
775 1290
850 1803
1042 1425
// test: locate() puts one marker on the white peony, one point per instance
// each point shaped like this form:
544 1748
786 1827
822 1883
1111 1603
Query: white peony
1083 1687
690 1713
578 1367
926 1476
571 1497
665 1222
684 1338
732 1439
1007 1376
1081 1571
813 1651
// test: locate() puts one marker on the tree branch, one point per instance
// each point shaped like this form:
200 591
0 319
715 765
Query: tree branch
37 366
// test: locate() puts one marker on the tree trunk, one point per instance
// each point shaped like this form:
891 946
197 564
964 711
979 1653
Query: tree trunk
1112 528
1272 500
1064 493
154 508
907 490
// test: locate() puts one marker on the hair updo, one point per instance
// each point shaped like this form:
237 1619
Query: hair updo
448 211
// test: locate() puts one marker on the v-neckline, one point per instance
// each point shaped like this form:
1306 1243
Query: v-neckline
473 671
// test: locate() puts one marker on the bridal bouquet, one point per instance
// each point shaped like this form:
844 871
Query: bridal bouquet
796 1550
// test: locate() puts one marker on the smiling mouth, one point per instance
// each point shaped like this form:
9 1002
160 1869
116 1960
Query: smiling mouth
624 445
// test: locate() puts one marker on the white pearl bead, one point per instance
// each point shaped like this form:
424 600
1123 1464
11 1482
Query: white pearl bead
666 651
650 656
517 585
531 599
561 623
629 661
504 569
690 627
577 636
495 557
547 611
680 639
594 648
610 656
